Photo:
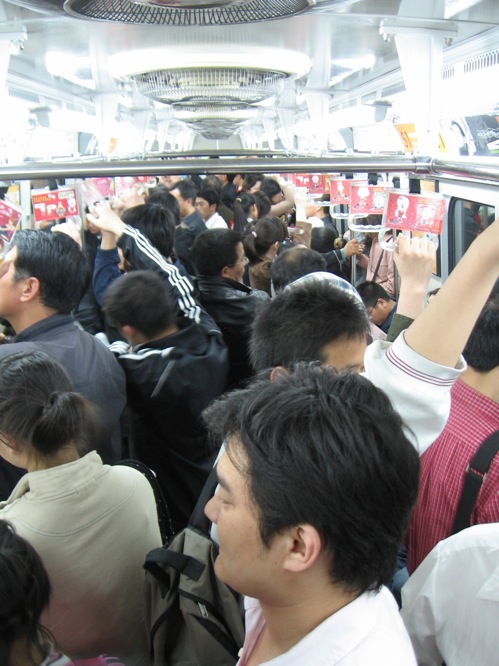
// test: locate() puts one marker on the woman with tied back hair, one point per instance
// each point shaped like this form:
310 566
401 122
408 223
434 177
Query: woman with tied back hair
24 594
245 212
260 246
91 524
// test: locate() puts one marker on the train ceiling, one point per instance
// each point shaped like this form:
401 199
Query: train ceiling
209 73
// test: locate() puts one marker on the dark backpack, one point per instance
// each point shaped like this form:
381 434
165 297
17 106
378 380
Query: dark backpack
192 618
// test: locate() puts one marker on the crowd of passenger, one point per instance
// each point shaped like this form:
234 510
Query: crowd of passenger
214 322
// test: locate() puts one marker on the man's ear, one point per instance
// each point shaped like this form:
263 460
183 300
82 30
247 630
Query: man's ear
226 272
129 332
31 289
304 548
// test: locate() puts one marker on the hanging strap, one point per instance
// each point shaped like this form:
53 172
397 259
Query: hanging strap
475 476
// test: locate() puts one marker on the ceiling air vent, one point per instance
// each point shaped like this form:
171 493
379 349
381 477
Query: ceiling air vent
215 122
192 86
186 12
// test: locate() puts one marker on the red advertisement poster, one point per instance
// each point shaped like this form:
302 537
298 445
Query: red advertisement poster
367 199
414 212
317 184
10 216
339 189
52 205
302 180
95 189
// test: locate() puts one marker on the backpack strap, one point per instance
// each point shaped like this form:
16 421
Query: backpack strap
162 557
198 518
475 476
164 520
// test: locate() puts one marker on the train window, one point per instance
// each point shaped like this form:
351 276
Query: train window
467 219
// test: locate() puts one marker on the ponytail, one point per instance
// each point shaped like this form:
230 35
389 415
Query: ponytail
38 407
266 232
65 417
242 206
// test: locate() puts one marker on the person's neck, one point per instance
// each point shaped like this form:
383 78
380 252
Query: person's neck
486 383
22 653
289 621
30 317
140 339
64 455
189 211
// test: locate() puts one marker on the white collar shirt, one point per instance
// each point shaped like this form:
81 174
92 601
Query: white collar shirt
366 631
450 604
216 221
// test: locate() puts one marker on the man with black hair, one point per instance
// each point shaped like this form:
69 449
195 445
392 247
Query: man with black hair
207 201
315 491
42 279
380 307
417 371
310 321
191 221
229 191
289 265
214 183
218 256
174 370
474 415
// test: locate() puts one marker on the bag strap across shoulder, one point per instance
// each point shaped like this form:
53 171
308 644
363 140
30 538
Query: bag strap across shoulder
475 476
164 520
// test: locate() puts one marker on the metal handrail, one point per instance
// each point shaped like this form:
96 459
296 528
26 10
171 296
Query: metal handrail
483 169
280 164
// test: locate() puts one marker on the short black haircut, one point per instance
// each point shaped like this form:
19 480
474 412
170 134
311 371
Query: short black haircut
161 196
322 239
59 264
298 323
214 249
156 222
250 180
482 349
187 189
209 195
370 292
270 187
140 299
294 263
213 183
328 450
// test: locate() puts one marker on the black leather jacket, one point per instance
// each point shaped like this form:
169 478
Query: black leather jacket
232 305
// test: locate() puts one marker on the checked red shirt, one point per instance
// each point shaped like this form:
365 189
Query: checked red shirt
473 417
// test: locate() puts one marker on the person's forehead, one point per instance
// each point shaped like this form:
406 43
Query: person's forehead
11 254
230 464
345 353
